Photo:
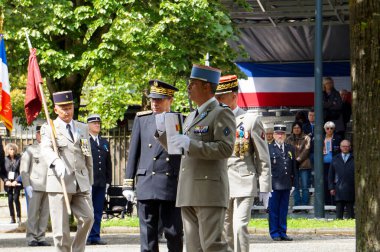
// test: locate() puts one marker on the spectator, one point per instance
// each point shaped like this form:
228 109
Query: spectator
308 129
301 117
330 148
342 180
346 107
10 174
269 134
301 144
332 106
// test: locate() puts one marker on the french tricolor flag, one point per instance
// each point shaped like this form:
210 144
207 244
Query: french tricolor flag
5 94
286 84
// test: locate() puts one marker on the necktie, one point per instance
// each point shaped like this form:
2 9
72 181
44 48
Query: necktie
68 127
196 113
345 157
97 141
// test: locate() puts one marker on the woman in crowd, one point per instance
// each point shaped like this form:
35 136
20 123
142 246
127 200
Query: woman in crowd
301 144
10 174
330 149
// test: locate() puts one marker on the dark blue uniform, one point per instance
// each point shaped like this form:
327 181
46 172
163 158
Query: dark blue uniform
102 167
156 173
283 166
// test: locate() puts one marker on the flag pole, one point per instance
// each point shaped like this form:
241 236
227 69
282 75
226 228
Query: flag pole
52 131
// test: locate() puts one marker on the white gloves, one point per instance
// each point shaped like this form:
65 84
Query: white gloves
107 186
264 196
180 142
29 191
129 194
59 168
160 122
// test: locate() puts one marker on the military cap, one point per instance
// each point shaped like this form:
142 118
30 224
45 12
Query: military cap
38 128
205 73
62 98
227 84
279 128
93 118
160 89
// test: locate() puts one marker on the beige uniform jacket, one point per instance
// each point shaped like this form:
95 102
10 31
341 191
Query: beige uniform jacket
33 168
250 162
76 156
203 179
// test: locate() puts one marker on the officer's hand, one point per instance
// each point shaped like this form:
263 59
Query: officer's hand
180 142
59 168
29 191
264 196
160 122
107 186
129 194
292 190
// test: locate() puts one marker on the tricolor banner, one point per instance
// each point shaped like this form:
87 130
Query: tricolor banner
5 99
287 84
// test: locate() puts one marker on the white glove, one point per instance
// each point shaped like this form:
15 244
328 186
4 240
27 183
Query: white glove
107 186
129 194
59 168
264 196
29 191
180 142
160 122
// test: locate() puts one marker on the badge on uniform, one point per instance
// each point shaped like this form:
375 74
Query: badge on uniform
226 131
200 129
85 147
105 148
203 115
290 154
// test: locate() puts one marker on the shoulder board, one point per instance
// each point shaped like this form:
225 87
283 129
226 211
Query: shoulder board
144 113
224 105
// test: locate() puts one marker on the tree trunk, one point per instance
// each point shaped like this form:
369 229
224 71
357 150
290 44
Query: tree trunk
365 74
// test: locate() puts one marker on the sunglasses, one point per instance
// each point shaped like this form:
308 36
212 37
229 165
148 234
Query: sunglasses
329 128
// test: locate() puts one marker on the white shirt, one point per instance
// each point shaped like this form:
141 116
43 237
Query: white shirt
281 146
235 110
95 138
204 105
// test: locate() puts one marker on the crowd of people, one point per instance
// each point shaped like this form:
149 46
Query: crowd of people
205 193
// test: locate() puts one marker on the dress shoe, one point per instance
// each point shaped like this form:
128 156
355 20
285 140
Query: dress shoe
99 242
13 220
277 239
19 220
43 244
286 238
33 243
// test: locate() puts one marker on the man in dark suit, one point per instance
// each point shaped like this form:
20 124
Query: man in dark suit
283 165
102 166
156 173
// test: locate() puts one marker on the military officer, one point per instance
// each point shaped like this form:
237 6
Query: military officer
33 170
102 172
248 164
156 173
283 165
207 142
73 163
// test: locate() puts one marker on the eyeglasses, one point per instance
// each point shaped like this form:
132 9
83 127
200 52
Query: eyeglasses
345 146
328 128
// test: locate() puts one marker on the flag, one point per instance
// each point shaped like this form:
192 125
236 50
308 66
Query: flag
5 89
33 98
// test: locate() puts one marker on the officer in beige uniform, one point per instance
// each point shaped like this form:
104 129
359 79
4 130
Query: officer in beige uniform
207 142
74 164
248 165
33 170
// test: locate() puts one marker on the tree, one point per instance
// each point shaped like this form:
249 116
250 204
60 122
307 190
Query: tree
113 47
365 72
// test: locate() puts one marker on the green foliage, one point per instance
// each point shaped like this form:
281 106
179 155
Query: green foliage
112 48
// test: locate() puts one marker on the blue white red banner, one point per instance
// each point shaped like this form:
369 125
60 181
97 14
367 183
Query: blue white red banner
5 89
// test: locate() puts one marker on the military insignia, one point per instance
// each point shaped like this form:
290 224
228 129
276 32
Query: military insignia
203 115
144 113
128 183
290 154
105 148
85 147
226 131
155 83
246 134
200 129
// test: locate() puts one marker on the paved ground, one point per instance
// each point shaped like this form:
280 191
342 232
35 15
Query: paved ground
15 242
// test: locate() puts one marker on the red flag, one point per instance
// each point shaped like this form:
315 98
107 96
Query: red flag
33 99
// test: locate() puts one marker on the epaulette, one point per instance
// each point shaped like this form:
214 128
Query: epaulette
144 113
224 105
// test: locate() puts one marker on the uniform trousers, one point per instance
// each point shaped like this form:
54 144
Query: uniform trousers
236 222
81 207
204 228
278 211
98 197
340 209
38 216
149 212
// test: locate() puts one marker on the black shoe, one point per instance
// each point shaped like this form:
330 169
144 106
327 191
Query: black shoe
33 244
44 244
277 239
286 238
296 211
13 220
100 242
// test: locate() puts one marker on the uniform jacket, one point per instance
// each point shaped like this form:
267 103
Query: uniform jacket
301 146
342 178
34 168
9 166
149 163
283 166
250 160
76 156
203 179
102 164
